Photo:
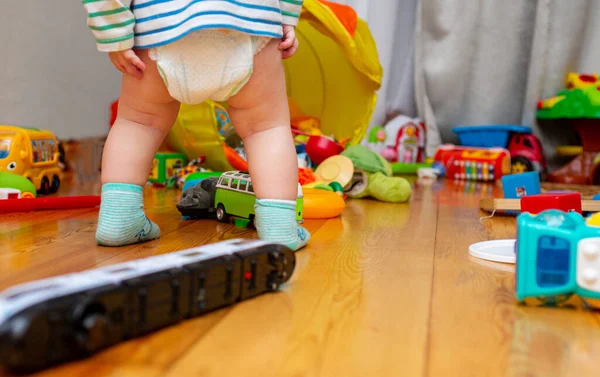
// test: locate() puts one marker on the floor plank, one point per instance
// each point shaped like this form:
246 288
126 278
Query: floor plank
384 290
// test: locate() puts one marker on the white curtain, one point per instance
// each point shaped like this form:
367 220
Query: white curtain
487 62
461 62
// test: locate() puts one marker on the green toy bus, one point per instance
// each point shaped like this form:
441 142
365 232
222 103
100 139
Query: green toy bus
235 197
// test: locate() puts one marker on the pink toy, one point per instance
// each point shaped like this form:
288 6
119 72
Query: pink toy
406 140
47 203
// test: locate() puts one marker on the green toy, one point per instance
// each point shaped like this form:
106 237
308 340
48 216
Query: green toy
571 104
373 177
408 168
17 182
164 166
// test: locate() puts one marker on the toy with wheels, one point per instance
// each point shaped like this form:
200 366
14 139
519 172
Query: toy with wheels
33 154
473 164
525 149
234 197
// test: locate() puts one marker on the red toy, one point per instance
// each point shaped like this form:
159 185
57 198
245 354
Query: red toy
526 153
46 203
473 164
566 202
320 148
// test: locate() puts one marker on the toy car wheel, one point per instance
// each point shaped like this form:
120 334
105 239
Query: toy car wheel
55 184
221 214
45 186
520 165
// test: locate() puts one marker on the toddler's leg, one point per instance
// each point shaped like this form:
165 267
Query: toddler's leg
146 114
260 115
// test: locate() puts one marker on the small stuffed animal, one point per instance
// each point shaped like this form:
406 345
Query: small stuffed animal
373 177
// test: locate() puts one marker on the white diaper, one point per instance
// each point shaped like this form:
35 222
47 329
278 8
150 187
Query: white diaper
207 64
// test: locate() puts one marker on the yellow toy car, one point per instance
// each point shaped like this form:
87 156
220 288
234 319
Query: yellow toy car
33 154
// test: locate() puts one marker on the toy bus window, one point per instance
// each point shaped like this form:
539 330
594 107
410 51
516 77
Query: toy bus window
33 290
250 188
5 147
552 261
527 143
243 185
225 181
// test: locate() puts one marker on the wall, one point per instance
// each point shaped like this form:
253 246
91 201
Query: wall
51 75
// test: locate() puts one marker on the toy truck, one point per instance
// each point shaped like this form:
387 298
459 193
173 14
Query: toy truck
525 149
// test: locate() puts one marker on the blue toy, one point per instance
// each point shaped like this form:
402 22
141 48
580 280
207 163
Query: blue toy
558 254
488 136
516 186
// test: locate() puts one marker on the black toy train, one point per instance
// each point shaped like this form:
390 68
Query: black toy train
68 317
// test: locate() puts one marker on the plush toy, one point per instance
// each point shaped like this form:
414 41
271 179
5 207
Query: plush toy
373 177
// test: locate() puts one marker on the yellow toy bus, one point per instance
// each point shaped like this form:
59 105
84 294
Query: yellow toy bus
33 154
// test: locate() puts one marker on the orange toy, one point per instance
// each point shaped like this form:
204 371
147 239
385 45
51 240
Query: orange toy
235 159
322 204
305 176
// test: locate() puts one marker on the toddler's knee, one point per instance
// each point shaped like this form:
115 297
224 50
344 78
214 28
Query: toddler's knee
245 129
157 116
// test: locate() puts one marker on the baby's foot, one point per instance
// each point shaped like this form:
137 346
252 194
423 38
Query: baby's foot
276 222
122 220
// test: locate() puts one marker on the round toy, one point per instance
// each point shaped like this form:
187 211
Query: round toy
335 169
495 251
321 204
319 148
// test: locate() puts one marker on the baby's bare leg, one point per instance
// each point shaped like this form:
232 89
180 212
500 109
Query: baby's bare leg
260 115
146 114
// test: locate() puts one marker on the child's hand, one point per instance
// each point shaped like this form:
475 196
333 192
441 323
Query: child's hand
128 62
289 42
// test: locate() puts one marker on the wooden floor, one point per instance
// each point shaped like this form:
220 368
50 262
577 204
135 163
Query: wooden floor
385 290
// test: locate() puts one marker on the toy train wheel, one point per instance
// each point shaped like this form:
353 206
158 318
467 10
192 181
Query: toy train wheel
92 329
554 300
45 186
520 165
55 184
222 215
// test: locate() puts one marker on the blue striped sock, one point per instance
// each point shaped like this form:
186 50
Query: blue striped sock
122 220
276 222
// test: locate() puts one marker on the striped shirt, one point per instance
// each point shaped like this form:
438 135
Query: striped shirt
123 24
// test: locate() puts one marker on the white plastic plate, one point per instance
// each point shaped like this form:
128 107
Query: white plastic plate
496 251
